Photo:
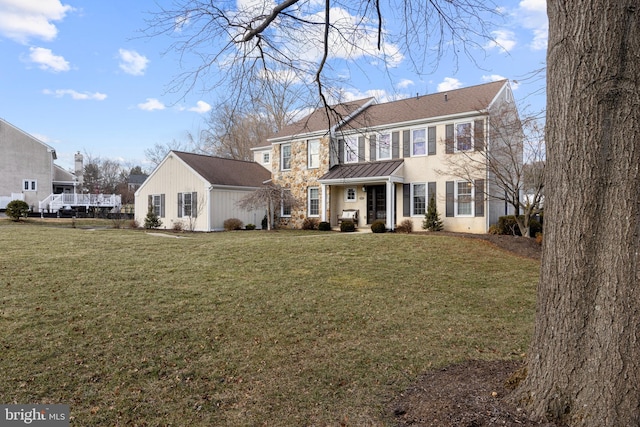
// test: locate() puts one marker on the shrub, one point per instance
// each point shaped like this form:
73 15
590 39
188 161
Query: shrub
310 224
232 224
324 226
265 222
178 226
17 209
493 229
134 224
378 226
152 220
507 225
347 226
250 227
432 220
539 238
405 226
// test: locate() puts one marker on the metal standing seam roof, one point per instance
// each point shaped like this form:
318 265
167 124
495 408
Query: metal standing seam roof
379 169
221 171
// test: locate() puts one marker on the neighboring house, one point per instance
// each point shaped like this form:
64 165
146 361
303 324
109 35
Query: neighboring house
135 181
27 169
28 173
200 192
387 160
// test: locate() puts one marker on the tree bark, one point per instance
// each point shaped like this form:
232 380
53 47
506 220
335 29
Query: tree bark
584 361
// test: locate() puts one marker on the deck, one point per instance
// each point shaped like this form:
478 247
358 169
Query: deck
55 202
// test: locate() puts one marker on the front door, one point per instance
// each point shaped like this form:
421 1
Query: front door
376 203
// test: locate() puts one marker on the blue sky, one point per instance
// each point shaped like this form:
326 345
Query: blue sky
78 74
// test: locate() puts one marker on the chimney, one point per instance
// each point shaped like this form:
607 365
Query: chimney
79 167
446 97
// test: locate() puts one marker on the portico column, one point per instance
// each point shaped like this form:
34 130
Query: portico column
390 204
323 202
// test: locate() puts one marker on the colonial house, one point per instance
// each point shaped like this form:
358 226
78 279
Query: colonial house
200 192
386 160
28 173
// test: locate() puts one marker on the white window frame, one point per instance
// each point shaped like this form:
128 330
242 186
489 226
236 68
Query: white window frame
457 204
351 149
423 142
457 136
310 199
354 191
29 185
413 199
313 153
156 202
266 157
381 137
183 213
285 210
282 157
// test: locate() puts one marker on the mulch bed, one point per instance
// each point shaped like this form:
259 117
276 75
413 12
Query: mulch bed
471 394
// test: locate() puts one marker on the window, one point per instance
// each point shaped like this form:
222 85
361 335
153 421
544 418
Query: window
187 204
350 194
464 132
157 202
313 154
265 157
314 201
419 199
30 185
419 143
285 206
464 198
351 150
285 157
384 146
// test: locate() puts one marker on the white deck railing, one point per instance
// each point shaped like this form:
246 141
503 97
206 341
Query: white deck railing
55 202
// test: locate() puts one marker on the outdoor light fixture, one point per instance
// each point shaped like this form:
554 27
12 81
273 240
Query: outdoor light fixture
364 189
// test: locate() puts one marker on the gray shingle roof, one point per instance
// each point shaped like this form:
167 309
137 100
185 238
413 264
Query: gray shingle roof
220 171
380 169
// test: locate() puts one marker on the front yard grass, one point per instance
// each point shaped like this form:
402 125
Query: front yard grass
247 328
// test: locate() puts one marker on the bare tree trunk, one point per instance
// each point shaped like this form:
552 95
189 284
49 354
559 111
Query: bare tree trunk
584 362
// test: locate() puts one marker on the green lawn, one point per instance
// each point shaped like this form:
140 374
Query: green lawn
246 328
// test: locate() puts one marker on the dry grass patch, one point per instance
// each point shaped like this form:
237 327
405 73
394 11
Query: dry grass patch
250 328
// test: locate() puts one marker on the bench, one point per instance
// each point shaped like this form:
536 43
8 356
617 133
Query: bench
348 215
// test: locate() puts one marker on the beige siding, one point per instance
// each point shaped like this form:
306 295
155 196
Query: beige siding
225 207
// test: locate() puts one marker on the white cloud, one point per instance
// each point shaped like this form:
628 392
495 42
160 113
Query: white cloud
503 40
201 107
404 84
151 105
532 15
131 62
21 20
78 96
449 83
46 60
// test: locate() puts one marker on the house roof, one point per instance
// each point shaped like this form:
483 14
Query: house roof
368 170
458 101
322 119
220 171
137 178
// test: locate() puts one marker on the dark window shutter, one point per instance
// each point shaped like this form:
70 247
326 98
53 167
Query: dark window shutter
431 191
340 151
395 145
406 199
150 201
478 135
431 140
406 143
194 204
361 149
162 205
450 199
179 205
372 148
479 197
448 139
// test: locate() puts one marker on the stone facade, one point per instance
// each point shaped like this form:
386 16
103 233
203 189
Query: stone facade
299 178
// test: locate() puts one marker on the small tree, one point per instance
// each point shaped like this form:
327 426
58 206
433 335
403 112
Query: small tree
432 220
269 197
152 220
17 209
